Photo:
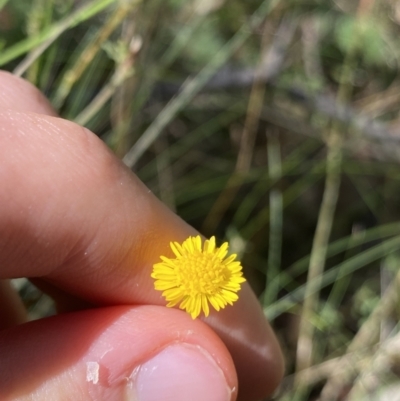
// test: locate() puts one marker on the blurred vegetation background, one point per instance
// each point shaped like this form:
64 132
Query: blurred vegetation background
272 124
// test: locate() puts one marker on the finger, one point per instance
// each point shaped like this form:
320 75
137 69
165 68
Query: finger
79 217
143 353
92 229
17 94
64 302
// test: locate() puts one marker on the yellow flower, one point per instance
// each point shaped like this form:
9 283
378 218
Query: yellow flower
198 276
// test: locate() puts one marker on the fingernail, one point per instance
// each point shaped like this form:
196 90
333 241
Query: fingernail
180 372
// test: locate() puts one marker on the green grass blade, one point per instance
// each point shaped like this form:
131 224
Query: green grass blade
336 273
193 86
54 31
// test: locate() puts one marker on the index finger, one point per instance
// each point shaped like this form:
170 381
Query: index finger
73 215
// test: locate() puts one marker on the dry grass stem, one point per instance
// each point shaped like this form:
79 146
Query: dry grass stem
193 85
123 71
88 54
271 58
366 337
318 252
42 41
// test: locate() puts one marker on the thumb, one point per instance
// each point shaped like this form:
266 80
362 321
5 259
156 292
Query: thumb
143 353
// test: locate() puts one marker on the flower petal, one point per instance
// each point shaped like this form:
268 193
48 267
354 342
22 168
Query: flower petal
209 245
230 259
176 249
161 285
197 243
222 250
214 302
204 304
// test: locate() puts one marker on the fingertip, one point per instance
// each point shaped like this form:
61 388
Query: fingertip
18 94
144 353
180 372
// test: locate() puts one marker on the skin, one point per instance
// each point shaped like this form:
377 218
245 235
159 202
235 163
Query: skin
86 231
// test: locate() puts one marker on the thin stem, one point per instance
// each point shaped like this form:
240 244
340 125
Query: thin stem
276 218
268 61
374 253
88 54
192 86
367 336
335 141
319 249
123 71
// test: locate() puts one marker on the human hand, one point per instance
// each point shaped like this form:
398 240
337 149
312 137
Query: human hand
87 232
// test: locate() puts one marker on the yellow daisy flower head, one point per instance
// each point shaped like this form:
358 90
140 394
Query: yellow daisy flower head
198 276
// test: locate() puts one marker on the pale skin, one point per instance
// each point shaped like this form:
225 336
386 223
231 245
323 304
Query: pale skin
87 232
